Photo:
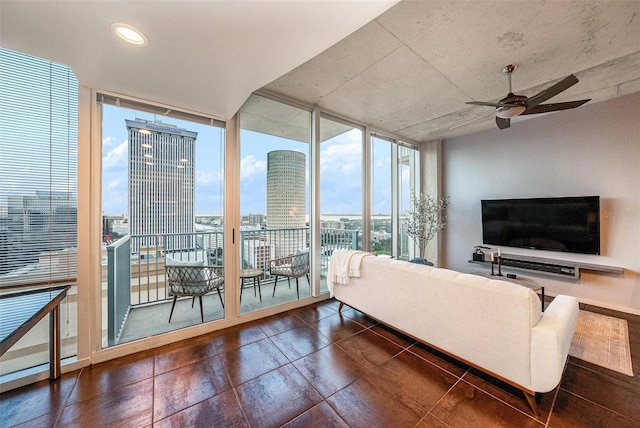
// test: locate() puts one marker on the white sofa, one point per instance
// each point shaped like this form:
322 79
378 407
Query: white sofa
493 325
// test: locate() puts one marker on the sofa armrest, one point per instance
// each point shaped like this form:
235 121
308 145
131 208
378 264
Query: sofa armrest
550 342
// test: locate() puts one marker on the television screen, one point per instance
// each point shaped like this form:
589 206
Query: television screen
570 224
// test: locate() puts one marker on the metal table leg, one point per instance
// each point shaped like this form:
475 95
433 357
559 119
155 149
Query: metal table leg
54 343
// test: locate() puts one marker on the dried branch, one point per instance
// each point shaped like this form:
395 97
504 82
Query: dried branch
425 218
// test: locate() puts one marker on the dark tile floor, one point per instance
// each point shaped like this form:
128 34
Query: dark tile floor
314 367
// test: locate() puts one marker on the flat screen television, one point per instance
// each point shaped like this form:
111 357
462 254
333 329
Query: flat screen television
570 224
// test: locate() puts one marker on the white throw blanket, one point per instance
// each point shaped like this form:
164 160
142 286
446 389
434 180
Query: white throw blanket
344 264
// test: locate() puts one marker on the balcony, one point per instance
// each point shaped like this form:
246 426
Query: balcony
135 295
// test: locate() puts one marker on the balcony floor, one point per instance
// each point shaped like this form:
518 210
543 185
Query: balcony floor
152 319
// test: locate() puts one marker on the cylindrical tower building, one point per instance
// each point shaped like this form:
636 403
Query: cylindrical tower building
286 199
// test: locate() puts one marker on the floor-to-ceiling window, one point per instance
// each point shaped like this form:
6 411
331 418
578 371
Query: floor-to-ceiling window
408 181
162 219
38 201
394 175
382 201
275 141
341 188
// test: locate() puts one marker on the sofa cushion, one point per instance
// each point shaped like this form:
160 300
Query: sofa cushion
473 317
495 325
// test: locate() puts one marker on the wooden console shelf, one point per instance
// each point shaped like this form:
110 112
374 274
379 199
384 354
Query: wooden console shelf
551 267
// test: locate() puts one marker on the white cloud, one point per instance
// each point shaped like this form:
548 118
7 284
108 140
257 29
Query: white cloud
406 175
117 157
108 141
342 157
205 178
113 184
382 163
250 168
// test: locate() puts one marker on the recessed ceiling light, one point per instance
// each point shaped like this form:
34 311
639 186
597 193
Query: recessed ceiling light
129 34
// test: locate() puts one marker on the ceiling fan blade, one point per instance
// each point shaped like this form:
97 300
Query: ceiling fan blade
483 103
503 123
552 91
544 108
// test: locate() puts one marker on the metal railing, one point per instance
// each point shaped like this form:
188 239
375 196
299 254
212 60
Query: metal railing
336 239
135 269
118 287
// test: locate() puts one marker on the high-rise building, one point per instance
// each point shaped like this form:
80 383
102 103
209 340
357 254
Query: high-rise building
256 253
32 225
161 184
256 220
32 217
286 200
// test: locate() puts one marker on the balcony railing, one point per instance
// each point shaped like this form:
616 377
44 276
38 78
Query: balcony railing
135 270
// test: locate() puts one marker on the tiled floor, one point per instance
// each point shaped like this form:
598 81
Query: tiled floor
314 367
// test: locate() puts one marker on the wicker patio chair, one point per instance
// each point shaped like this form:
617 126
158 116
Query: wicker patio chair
293 266
194 281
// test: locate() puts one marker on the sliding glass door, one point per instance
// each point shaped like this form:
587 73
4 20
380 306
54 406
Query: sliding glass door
275 146
162 220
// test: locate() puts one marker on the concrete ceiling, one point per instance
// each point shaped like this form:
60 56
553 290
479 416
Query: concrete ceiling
411 70
405 68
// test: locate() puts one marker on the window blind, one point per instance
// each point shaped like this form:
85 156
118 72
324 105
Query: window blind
130 103
38 170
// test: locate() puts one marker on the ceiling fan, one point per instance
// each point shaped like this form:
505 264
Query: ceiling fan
515 105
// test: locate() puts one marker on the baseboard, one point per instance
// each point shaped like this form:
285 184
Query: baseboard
604 305
36 374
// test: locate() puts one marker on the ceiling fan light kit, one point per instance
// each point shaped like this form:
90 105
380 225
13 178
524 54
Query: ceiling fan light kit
515 105
509 112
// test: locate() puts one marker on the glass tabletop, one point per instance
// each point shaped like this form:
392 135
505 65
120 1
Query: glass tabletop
21 310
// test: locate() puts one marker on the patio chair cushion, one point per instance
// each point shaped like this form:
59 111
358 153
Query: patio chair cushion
282 270
170 261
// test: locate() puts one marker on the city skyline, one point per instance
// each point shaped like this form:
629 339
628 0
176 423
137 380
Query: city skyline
340 165
340 168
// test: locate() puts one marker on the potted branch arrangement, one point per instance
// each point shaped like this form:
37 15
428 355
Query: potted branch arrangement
425 219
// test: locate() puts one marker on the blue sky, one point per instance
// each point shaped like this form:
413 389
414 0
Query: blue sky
115 154
340 166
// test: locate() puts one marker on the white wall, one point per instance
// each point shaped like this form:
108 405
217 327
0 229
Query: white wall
591 150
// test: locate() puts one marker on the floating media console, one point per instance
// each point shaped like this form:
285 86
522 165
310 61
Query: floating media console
551 267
